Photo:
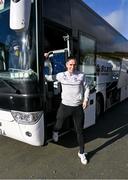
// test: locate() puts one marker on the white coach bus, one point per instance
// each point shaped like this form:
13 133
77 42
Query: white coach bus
28 29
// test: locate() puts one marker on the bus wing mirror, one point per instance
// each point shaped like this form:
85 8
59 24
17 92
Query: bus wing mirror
20 14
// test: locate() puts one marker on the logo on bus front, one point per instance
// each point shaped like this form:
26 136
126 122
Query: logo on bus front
2 2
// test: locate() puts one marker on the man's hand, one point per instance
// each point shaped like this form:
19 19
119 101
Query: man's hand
85 104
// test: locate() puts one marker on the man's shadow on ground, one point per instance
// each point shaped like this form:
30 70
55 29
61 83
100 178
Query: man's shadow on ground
112 126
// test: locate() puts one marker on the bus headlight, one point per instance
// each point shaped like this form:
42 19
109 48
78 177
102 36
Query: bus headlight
26 117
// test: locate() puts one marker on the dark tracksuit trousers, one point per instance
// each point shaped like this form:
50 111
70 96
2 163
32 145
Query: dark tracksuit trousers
77 114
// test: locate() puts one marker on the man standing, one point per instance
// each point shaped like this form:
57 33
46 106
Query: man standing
75 96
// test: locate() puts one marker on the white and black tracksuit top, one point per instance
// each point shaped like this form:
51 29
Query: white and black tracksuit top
74 87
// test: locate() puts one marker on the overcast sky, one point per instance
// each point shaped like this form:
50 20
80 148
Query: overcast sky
113 11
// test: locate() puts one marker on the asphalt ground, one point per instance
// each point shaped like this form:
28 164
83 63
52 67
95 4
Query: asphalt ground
106 144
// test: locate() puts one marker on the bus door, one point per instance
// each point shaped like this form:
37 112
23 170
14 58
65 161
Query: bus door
54 64
87 66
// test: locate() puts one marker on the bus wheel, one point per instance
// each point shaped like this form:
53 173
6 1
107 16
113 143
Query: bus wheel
99 106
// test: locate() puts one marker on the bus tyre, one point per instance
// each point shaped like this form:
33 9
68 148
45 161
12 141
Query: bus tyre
99 106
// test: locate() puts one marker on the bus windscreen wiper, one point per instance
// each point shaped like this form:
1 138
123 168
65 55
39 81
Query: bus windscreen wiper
17 91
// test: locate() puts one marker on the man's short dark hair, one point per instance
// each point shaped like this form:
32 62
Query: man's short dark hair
70 57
